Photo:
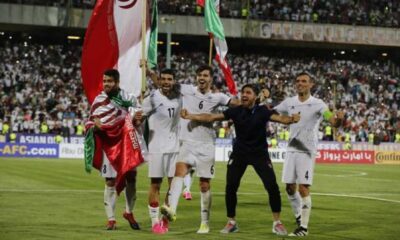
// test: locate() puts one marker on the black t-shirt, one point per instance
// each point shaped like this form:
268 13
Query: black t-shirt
250 127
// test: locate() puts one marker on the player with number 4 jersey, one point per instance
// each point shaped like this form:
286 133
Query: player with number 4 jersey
298 168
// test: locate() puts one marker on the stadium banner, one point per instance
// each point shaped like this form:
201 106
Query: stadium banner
222 153
385 146
69 150
387 157
329 33
342 156
46 139
29 150
277 155
322 145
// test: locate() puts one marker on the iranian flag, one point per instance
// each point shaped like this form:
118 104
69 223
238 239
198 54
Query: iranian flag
114 40
215 30
117 137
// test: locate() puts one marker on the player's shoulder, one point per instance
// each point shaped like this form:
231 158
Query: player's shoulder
187 88
290 100
101 97
127 95
316 100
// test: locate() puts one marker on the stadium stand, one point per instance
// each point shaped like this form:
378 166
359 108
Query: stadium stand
362 12
41 84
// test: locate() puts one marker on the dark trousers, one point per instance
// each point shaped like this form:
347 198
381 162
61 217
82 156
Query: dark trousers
263 167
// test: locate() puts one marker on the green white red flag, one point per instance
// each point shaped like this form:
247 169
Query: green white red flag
215 29
114 40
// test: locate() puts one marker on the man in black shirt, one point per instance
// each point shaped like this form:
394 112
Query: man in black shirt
250 148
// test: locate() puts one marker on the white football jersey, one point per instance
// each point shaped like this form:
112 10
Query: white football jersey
196 102
163 117
304 134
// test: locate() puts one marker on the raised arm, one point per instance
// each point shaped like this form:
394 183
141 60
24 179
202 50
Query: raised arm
337 118
203 117
149 72
234 102
285 119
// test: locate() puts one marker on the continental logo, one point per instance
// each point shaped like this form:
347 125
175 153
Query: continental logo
387 157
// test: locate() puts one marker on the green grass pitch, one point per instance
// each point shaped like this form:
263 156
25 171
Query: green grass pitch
56 199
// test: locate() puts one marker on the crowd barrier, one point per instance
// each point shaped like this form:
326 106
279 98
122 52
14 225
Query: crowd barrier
43 146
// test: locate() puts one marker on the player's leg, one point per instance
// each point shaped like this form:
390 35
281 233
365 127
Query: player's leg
110 192
187 183
305 173
204 163
154 200
289 178
170 167
130 199
185 161
205 204
110 196
175 191
154 206
235 170
265 171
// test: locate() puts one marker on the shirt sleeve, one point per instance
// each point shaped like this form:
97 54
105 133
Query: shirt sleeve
186 89
224 99
282 108
325 112
229 113
267 113
146 105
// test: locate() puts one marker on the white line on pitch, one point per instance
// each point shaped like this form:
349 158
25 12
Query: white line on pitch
216 193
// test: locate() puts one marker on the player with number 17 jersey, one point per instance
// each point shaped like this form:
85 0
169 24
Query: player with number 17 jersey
163 119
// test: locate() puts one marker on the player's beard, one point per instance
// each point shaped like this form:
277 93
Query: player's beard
113 92
175 91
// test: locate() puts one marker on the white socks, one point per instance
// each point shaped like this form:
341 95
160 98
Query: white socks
305 211
110 195
130 196
154 213
295 202
175 192
205 205
187 182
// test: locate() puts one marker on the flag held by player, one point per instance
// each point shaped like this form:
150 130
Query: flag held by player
216 31
114 40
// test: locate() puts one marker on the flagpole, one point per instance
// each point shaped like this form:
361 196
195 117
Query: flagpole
144 21
210 52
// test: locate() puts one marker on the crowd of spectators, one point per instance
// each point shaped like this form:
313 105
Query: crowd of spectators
385 13
42 85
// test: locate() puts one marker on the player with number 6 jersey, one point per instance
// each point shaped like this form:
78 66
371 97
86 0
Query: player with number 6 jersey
197 144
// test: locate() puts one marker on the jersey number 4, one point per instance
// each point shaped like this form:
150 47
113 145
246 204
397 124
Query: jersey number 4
306 176
171 112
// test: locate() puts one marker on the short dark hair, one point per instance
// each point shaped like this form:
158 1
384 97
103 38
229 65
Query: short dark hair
253 87
305 74
168 71
204 67
112 73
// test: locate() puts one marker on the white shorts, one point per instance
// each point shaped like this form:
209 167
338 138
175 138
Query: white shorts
298 168
162 164
199 155
107 170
